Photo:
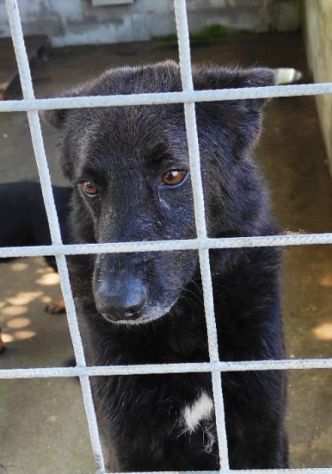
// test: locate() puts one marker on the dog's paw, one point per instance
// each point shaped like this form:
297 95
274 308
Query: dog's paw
55 307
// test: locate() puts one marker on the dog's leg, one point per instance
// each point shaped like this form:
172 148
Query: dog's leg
256 435
2 344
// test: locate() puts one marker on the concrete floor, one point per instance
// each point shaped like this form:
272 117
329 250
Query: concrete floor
42 427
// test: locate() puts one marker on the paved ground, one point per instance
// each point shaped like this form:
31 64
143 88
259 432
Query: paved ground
42 428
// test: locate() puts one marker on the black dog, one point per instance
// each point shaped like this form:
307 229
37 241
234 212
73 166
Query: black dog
129 167
23 216
23 219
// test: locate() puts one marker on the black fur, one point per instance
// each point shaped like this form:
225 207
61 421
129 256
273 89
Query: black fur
124 151
23 217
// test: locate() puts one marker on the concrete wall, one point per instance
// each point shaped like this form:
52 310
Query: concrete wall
318 18
70 22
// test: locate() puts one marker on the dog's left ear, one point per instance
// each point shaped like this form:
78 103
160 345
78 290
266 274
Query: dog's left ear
226 78
240 120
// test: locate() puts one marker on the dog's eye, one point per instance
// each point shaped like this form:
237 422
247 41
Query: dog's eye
173 177
89 189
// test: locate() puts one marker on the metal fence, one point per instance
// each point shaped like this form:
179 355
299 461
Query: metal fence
188 96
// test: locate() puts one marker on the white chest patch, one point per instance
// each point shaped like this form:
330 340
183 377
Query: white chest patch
200 410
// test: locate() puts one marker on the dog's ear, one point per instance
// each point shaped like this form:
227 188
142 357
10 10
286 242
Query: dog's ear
226 78
239 121
218 77
57 118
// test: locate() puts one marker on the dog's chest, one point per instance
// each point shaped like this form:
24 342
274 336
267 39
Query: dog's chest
198 417
151 418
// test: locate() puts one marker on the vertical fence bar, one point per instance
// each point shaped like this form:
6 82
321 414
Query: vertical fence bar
52 217
180 9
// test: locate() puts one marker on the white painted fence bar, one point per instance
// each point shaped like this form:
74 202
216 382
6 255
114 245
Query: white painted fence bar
317 470
185 368
52 217
182 29
266 92
289 240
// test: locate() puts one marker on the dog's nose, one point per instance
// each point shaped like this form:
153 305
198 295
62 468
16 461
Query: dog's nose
120 299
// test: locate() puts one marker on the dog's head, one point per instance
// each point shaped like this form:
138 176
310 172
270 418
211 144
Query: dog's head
130 171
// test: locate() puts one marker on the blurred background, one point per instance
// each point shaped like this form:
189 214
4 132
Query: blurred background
42 425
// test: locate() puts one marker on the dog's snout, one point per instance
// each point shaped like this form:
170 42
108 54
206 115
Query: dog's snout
120 299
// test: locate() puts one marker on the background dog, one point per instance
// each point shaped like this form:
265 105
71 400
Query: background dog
23 216
23 221
130 173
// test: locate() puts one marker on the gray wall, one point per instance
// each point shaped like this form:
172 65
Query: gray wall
69 22
318 15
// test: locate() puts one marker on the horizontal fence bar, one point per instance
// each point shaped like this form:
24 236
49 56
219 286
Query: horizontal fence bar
160 98
154 369
309 470
288 240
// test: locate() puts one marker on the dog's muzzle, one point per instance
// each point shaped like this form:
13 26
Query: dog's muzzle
121 299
